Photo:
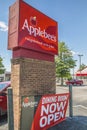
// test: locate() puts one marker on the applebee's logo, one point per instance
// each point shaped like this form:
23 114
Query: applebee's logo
36 31
33 20
26 103
26 100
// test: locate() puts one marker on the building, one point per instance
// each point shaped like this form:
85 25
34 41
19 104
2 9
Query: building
82 75
5 77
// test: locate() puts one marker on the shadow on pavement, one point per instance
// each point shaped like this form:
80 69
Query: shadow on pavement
74 123
3 120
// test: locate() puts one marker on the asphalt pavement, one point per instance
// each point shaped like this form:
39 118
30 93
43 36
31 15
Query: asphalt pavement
74 123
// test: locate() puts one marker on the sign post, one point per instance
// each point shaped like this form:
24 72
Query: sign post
33 39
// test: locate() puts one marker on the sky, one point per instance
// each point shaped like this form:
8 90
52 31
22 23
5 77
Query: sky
71 16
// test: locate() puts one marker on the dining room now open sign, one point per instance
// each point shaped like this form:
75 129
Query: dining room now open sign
51 110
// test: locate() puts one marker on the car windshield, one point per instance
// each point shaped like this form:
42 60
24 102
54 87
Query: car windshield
3 85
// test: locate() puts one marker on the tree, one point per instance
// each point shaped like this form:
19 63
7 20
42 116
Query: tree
2 69
64 62
83 66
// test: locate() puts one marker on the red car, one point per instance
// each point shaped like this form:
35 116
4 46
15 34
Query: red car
3 97
74 82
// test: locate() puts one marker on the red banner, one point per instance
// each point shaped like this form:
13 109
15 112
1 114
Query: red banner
51 110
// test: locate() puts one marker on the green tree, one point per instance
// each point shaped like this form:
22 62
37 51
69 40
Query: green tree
2 69
64 62
83 66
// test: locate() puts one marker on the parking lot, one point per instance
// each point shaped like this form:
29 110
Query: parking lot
79 108
79 98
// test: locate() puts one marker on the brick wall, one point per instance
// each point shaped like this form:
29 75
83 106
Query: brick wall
30 77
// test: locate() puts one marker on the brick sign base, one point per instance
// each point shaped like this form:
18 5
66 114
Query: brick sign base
30 77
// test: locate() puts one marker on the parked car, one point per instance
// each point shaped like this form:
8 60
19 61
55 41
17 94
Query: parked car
74 82
3 97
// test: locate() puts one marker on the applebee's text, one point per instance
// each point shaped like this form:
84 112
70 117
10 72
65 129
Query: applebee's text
38 32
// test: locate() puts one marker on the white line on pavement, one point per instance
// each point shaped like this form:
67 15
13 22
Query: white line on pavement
81 106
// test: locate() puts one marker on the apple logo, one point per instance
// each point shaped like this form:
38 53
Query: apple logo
33 20
26 100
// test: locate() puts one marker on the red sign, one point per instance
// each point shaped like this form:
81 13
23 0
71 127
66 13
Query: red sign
36 31
51 110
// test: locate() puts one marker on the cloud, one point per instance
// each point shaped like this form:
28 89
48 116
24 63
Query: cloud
3 26
74 53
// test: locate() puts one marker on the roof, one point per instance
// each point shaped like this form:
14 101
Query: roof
82 72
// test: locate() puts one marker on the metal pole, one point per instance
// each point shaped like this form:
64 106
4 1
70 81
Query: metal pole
70 102
74 68
80 63
10 109
73 72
